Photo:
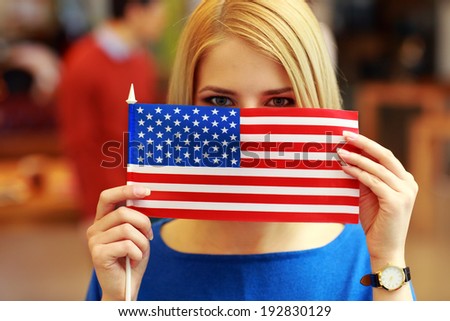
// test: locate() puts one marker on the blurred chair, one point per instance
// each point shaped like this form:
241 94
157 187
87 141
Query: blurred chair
371 97
428 135
428 126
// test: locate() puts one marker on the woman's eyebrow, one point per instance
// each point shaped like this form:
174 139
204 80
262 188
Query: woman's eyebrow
217 90
278 91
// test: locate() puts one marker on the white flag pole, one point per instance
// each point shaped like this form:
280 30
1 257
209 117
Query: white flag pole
131 100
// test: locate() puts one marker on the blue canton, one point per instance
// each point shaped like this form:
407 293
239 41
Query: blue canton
174 135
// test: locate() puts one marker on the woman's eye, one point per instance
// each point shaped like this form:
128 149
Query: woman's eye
281 102
220 101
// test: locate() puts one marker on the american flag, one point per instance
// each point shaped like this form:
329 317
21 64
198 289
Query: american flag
251 164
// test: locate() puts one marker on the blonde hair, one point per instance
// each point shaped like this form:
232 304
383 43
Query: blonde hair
285 31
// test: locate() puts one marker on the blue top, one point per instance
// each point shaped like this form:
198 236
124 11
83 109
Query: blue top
331 272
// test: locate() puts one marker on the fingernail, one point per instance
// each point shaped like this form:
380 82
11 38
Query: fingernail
150 237
141 191
350 135
343 152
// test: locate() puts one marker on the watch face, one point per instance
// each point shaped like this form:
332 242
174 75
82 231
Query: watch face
392 278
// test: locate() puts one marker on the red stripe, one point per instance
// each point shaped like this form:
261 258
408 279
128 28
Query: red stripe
299 112
295 129
296 147
242 180
249 217
290 164
253 198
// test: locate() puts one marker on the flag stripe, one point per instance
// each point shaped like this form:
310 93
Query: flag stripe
266 216
276 172
287 138
298 112
242 189
254 198
247 207
296 129
299 147
242 180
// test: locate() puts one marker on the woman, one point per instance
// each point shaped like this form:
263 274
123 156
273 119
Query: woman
252 54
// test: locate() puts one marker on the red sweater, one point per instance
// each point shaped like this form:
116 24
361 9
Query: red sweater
93 112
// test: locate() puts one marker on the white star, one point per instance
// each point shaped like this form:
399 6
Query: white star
187 142
224 118
233 137
196 111
196 135
205 129
150 129
215 124
149 154
186 129
141 122
159 122
177 122
224 130
149 141
215 112
178 148
225 155
197 160
233 125
195 122
205 117
196 148
159 147
168 142
233 149
141 135
224 143
215 148
215 136
233 161
232 112
186 117
205 142
159 135
149 116
167 116
158 110
178 135
205 155
140 159
140 110
159 160
216 160
178 160
177 110
141 147
186 155
168 129
168 154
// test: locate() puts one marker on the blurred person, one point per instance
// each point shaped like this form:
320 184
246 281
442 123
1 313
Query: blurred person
97 72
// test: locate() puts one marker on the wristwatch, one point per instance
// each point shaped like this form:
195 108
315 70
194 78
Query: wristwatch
390 278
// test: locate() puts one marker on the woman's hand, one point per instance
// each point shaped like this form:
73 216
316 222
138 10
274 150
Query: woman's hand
387 198
116 233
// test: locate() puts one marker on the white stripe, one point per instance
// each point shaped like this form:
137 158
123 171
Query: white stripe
294 156
308 121
233 171
248 189
330 139
249 207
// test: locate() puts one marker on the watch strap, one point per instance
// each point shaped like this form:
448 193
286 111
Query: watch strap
373 280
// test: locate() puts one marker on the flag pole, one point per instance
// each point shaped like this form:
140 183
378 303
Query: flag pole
131 100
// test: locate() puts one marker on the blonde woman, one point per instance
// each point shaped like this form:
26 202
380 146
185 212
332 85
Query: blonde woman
249 54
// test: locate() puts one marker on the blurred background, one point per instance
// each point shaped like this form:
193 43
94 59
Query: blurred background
392 59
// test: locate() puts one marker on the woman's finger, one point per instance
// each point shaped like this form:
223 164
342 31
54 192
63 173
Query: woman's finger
372 168
111 197
384 156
